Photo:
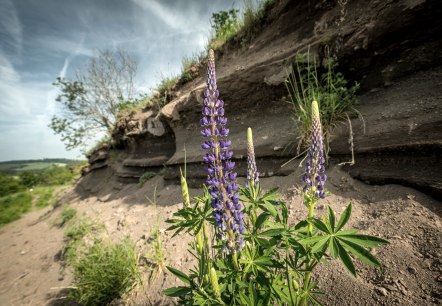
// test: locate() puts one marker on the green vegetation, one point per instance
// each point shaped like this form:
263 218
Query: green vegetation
67 214
9 185
330 89
16 166
156 255
74 236
45 196
227 25
13 206
145 177
105 272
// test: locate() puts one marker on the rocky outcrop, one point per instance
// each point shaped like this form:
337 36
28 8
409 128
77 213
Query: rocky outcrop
391 47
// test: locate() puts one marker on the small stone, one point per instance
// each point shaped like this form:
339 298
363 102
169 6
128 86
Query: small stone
412 270
382 291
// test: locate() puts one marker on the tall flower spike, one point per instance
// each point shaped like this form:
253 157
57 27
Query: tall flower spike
252 171
314 176
221 177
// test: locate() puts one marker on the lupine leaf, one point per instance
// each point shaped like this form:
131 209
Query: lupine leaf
180 275
319 225
334 249
345 258
331 218
272 232
269 207
176 291
271 194
363 240
344 218
262 218
311 240
360 253
319 246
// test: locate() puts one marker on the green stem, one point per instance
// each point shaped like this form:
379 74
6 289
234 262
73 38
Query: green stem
235 261
307 276
289 282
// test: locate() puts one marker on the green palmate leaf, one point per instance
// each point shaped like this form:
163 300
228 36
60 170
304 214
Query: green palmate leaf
269 207
320 225
319 246
334 249
272 232
263 242
344 218
176 291
311 240
345 258
262 218
362 240
271 194
180 275
360 253
331 218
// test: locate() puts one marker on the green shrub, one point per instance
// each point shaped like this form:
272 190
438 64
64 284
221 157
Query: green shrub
145 177
106 272
13 206
330 89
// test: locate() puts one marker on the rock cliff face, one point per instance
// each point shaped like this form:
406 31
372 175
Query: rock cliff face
391 47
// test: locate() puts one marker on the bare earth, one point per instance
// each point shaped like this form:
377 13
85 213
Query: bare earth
32 274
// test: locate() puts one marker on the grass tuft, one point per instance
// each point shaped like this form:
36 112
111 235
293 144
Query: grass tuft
330 89
67 214
106 272
145 177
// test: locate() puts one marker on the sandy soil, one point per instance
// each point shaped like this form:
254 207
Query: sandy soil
31 272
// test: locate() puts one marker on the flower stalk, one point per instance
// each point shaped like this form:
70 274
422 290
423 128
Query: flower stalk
221 176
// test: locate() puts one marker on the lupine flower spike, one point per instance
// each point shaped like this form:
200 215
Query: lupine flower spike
252 171
221 177
314 176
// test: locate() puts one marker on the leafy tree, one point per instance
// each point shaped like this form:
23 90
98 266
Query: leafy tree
90 102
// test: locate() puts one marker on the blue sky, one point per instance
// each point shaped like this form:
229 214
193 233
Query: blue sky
40 40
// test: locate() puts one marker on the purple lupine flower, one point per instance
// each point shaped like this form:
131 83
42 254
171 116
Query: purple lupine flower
314 176
221 177
252 171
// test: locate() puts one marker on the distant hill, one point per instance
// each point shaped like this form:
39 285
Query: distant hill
17 166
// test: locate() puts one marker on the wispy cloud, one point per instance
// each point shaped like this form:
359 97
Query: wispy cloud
10 27
173 19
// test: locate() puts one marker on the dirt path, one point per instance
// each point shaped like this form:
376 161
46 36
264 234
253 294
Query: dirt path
411 221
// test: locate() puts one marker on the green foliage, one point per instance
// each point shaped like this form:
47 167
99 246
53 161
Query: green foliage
228 24
276 263
145 177
9 185
225 25
67 214
74 236
330 89
105 272
13 206
51 176
44 196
